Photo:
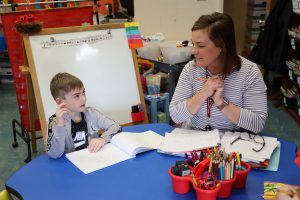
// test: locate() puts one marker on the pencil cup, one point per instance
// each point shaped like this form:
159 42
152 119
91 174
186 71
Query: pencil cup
226 187
181 184
241 176
202 194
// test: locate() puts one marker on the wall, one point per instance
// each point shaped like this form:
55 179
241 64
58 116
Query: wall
239 17
173 18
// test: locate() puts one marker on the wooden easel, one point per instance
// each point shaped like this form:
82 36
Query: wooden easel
34 93
33 116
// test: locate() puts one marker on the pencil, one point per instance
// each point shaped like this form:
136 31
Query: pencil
194 179
202 79
52 122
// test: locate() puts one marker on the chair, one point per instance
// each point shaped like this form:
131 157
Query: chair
4 195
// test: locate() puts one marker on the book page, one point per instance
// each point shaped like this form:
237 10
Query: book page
134 143
180 142
88 162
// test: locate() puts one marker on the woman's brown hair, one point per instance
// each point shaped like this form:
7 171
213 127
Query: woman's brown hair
221 32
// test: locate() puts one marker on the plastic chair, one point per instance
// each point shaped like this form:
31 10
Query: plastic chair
4 195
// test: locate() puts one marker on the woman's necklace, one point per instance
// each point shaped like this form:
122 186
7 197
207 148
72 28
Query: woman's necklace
209 103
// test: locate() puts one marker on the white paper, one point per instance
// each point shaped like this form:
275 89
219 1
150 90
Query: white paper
245 147
88 162
123 146
183 140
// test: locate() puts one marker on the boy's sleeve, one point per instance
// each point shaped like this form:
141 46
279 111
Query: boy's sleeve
109 126
55 139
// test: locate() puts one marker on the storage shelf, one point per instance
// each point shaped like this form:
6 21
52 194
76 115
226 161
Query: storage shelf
293 53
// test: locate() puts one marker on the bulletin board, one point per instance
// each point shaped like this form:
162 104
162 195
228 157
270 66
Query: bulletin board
99 55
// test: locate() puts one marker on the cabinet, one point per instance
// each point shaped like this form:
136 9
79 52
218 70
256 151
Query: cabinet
158 108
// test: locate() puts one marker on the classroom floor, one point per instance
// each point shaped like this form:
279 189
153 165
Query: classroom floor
279 124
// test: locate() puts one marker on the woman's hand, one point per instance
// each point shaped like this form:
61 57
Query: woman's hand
213 85
218 95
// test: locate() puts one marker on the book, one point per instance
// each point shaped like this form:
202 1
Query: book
181 141
135 143
280 191
123 146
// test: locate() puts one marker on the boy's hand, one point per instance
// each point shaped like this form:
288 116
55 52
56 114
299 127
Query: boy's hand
61 110
96 144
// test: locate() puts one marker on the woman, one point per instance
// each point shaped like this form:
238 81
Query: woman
219 89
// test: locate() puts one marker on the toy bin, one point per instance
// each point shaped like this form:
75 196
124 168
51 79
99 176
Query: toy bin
2 43
150 50
173 54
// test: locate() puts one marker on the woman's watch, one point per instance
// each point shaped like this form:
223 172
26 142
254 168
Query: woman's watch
224 104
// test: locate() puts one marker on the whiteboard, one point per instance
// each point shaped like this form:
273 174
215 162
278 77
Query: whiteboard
107 68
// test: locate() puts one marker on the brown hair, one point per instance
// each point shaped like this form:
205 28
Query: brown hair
221 32
62 83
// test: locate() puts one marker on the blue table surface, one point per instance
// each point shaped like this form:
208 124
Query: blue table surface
144 177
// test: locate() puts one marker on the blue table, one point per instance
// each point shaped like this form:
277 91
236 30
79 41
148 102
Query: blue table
144 177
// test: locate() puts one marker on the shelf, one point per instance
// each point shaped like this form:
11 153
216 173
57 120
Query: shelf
173 72
294 54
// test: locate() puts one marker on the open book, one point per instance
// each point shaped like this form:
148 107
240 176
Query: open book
135 143
123 146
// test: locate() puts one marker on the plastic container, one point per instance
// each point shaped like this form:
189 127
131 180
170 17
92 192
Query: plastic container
206 194
2 43
181 184
173 54
150 50
241 176
226 187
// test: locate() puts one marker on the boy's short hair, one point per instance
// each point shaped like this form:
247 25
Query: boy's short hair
63 83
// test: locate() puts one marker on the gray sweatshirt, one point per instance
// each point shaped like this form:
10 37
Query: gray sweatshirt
60 141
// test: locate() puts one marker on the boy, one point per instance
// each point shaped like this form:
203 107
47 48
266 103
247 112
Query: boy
74 126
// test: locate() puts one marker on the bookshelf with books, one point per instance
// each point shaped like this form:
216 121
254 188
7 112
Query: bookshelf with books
290 87
256 15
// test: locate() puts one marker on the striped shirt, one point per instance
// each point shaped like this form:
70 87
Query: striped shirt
244 88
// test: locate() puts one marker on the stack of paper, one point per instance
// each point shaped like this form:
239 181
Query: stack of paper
180 141
245 147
